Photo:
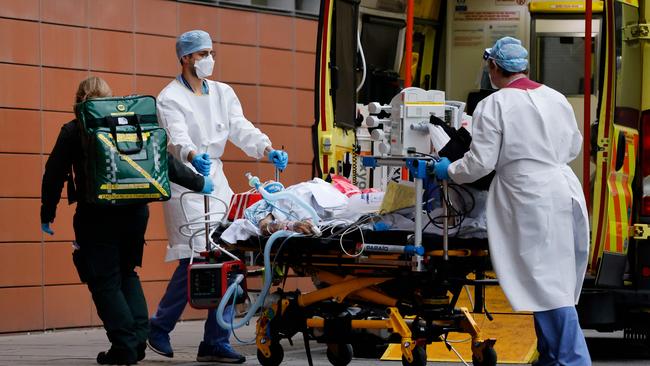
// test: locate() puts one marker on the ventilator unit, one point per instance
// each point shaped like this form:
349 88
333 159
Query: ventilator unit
406 130
207 282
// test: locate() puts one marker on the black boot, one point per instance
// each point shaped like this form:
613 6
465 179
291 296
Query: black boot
116 357
141 348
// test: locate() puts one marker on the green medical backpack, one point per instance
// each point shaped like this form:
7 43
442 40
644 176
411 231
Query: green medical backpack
125 150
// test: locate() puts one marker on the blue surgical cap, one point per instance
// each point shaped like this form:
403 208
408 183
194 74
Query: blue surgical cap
509 54
192 41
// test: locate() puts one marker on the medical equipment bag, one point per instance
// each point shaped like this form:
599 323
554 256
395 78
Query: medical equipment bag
125 150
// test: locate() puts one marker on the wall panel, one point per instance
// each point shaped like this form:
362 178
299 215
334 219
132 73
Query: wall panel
60 87
276 67
306 32
14 78
58 268
67 306
21 309
114 14
156 17
65 47
191 16
21 131
19 221
155 55
237 64
20 264
304 71
236 26
111 51
150 85
52 123
121 84
25 180
272 25
49 46
305 108
277 105
20 41
70 12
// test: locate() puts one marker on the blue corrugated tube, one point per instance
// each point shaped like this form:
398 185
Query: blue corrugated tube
268 274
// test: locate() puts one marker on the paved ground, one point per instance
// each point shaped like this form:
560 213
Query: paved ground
80 346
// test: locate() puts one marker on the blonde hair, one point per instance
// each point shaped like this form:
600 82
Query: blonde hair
92 87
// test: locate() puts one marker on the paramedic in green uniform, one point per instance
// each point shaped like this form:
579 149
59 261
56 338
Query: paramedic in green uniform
109 240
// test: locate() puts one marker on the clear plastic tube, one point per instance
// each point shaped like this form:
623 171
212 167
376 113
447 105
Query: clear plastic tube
255 182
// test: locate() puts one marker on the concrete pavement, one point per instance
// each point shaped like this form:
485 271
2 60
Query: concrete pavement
80 347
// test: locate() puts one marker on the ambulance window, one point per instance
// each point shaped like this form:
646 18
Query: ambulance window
628 68
557 52
562 63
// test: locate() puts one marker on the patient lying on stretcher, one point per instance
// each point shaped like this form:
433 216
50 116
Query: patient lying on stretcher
268 225
333 207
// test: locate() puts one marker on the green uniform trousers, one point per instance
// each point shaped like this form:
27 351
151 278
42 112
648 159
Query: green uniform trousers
111 242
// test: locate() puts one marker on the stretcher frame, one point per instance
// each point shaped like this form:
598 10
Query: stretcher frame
344 281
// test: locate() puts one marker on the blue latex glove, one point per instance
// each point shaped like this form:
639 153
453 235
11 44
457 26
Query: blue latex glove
45 227
441 169
202 163
208 185
279 158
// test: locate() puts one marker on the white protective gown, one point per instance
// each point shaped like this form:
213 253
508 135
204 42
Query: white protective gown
537 219
202 123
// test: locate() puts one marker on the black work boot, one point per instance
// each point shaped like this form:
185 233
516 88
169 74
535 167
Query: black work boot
141 348
115 356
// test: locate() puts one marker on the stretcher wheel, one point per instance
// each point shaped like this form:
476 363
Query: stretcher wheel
277 354
339 354
489 358
419 357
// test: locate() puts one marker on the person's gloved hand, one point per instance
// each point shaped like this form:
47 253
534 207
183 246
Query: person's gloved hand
441 169
208 185
202 163
45 227
279 158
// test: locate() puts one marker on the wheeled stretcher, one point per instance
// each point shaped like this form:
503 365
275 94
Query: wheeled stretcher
371 287
371 299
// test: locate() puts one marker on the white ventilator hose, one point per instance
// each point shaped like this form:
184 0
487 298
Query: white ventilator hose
255 182
363 60
268 270
268 275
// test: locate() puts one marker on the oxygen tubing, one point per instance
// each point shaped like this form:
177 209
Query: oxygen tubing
255 182
265 289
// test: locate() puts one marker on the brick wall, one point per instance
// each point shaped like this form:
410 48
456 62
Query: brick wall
48 46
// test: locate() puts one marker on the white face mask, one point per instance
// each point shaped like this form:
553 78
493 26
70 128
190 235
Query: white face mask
204 67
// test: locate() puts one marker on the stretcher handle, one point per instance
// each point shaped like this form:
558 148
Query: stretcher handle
206 208
277 171
445 223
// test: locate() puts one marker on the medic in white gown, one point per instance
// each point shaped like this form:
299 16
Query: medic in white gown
537 218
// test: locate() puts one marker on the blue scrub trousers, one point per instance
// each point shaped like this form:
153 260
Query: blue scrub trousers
560 340
173 303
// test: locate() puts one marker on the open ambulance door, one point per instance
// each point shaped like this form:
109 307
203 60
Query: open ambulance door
360 59
616 293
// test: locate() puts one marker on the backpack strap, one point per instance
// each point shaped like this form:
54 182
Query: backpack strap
133 120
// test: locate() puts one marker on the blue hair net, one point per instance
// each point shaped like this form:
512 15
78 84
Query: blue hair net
192 41
509 54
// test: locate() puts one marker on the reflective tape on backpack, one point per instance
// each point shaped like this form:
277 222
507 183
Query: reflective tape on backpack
118 186
128 196
135 166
